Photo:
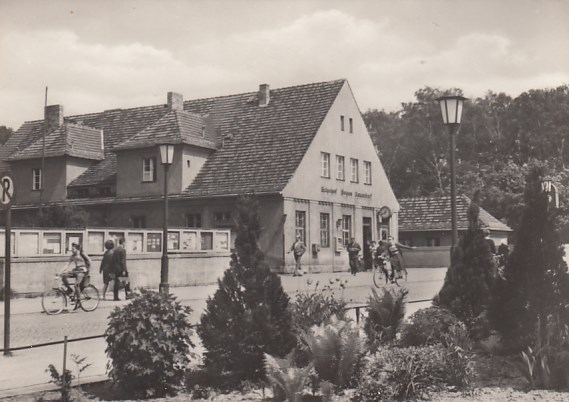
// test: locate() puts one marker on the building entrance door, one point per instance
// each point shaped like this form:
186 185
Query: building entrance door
367 238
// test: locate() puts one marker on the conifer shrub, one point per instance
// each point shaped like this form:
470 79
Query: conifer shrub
249 313
148 345
535 283
386 313
430 326
470 279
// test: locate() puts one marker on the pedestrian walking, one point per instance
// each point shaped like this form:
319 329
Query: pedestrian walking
107 268
121 271
298 248
353 254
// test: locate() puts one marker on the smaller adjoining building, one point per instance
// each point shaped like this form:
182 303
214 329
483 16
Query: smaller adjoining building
425 223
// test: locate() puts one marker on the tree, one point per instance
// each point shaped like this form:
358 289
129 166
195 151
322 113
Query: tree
535 283
469 280
248 314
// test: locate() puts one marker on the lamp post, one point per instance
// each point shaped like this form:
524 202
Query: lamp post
166 158
451 109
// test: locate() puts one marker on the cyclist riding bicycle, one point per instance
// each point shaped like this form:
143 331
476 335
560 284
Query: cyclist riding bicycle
77 267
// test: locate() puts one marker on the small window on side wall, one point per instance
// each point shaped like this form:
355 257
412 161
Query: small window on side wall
36 179
149 169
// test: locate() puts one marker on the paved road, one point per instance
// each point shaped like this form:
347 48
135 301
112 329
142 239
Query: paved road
29 326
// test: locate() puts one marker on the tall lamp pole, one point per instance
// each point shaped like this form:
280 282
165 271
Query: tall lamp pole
166 158
451 109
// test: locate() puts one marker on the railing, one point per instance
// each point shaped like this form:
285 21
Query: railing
56 242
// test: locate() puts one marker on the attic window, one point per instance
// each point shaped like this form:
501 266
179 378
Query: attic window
351 121
203 131
188 163
342 123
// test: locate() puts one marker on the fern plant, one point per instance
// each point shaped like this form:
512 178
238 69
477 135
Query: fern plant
335 350
386 314
288 381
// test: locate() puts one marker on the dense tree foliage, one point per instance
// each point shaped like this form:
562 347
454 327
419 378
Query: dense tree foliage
500 139
248 315
5 133
535 286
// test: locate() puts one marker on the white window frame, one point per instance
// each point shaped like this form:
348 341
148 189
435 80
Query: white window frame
36 179
325 162
149 169
324 229
346 229
354 167
340 167
300 225
367 167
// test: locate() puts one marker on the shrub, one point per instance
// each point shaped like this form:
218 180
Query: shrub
249 313
148 344
63 381
386 314
335 350
470 278
411 373
536 283
310 309
428 326
288 381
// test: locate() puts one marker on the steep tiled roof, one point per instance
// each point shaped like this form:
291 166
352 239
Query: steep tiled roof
176 127
263 146
434 213
68 139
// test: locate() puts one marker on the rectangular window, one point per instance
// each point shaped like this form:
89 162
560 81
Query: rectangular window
300 225
149 169
342 123
354 166
324 230
340 168
36 179
367 166
325 158
193 220
222 219
138 221
351 125
346 228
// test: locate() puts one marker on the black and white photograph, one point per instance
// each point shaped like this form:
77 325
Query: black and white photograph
284 200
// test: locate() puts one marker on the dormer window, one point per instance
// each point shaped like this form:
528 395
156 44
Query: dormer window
203 131
36 179
149 169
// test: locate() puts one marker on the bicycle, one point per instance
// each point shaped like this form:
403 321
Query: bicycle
380 273
56 299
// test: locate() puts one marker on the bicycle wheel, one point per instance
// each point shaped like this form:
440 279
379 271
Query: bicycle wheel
53 301
89 299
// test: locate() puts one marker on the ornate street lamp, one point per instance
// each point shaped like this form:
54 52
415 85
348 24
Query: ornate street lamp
166 158
451 109
550 190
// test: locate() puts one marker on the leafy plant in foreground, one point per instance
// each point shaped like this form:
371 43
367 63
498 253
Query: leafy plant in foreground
429 326
386 314
335 350
63 381
288 381
148 344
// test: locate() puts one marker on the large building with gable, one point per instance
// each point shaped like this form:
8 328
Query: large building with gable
303 150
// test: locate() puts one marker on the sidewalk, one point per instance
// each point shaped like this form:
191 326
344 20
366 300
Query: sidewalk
24 371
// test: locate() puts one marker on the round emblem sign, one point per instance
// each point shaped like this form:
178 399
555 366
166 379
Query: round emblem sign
7 189
385 213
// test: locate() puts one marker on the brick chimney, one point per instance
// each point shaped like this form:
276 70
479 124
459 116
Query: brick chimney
175 101
264 95
53 117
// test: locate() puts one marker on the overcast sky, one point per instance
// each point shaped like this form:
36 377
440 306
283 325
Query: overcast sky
97 55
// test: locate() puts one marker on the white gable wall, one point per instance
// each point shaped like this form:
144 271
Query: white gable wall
309 191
